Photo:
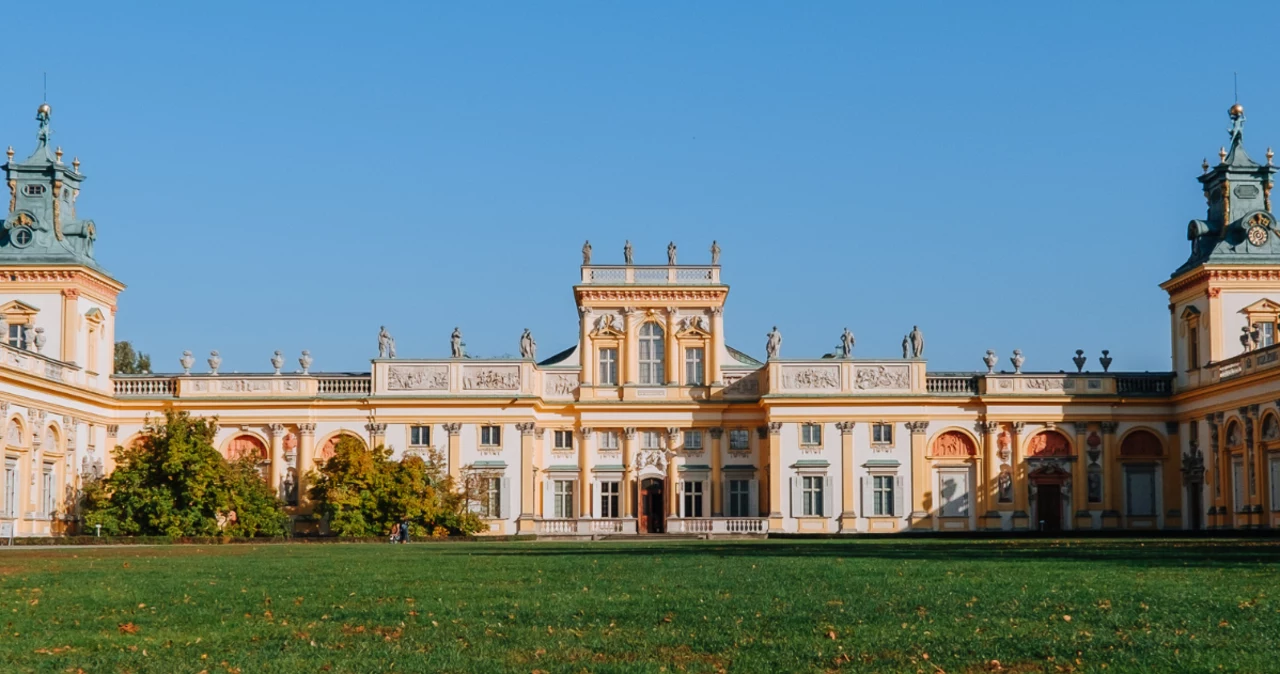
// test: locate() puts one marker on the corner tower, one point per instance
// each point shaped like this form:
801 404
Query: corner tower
1225 297
56 302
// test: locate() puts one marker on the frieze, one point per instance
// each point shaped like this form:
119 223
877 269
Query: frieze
645 296
491 378
418 378
561 385
809 377
880 377
244 385
1050 384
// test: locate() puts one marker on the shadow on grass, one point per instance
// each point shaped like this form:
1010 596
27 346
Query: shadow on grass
1145 553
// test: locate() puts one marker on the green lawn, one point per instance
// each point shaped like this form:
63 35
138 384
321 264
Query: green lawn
777 606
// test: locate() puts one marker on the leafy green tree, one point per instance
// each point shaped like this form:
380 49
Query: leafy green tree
128 361
362 492
173 482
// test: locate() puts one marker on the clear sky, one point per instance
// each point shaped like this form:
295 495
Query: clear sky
293 175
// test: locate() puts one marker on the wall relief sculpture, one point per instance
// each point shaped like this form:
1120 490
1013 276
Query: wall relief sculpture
561 385
811 377
244 386
1050 384
418 378
499 378
954 444
878 377
1048 443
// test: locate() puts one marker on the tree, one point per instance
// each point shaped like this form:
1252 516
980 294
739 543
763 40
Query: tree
130 362
173 482
363 492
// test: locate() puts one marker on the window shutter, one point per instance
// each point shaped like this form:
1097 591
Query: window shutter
828 496
706 498
753 498
899 494
868 496
728 512
797 494
548 495
505 496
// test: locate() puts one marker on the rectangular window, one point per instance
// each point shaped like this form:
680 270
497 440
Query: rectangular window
491 497
739 438
609 499
652 361
564 499
608 441
1193 345
419 436
608 367
563 440
954 491
1140 491
1275 485
692 498
490 436
882 505
16 338
810 434
1268 336
650 440
693 440
812 496
1237 484
739 498
10 488
49 497
882 434
693 359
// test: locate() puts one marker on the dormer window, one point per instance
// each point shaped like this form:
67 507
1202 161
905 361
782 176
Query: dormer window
1262 318
21 237
33 190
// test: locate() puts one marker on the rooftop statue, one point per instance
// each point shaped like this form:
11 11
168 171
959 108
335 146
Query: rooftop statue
774 343
715 253
528 347
386 344
626 252
586 252
846 344
455 344
917 342
671 253
906 346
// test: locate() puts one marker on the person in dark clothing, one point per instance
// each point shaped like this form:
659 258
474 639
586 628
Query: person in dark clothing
404 532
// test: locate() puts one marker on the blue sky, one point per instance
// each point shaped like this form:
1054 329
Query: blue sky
285 176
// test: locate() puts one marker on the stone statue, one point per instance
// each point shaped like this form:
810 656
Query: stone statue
846 344
774 343
28 337
606 322
906 346
586 252
455 340
671 253
187 361
305 361
386 344
528 347
277 361
290 488
917 342
626 252
715 253
214 361
39 340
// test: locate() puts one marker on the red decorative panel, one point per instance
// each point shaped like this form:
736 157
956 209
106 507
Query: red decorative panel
246 445
1141 444
954 444
326 450
1049 443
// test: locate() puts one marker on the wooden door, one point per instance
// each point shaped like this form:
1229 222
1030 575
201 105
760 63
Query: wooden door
1049 507
651 507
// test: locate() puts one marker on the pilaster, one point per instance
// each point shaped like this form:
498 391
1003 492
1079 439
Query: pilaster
587 357
377 434
715 436
585 455
921 493
628 470
1111 476
673 348
1171 477
70 324
109 454
455 450
306 461
673 473
990 432
848 516
1018 464
528 479
1081 519
631 346
772 447
717 344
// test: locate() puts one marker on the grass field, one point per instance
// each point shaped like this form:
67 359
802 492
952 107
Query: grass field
777 606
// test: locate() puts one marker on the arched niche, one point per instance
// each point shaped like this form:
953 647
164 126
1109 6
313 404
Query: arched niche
1141 443
953 443
324 451
1048 443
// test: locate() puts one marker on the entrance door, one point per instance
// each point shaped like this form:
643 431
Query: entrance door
1193 494
652 520
1049 507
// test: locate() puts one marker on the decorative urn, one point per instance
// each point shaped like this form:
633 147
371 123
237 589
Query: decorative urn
991 359
40 340
305 361
1079 360
277 361
1105 359
1017 359
214 361
187 360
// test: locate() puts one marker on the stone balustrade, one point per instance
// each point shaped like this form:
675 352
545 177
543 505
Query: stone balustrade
642 275
1258 360
41 365
240 386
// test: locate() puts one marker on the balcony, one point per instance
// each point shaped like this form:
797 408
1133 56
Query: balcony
650 275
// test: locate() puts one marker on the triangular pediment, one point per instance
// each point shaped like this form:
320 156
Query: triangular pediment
1262 306
1190 312
18 307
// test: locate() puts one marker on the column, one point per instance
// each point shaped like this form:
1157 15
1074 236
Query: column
1218 472
717 343
587 357
278 469
1110 477
455 450
1217 351
630 355
306 459
1081 519
1171 478
585 454
628 468
714 437
70 322
673 474
528 478
1018 465
673 348
921 491
848 516
990 431
1252 475
109 451
772 446
377 434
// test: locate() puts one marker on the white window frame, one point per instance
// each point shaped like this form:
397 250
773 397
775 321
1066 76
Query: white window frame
490 435
608 362
562 499
48 493
812 495
610 498
693 439
491 497
735 434
415 435
693 498
12 474
810 435
608 441
882 495
650 440
1267 335
878 432
695 358
562 440
652 354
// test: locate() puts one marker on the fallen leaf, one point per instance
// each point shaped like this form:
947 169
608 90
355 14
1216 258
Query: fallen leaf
128 628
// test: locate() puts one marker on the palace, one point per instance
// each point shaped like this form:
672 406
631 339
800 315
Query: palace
652 423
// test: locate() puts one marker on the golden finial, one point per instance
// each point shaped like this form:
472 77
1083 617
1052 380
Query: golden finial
1204 165
1236 110
1270 155
58 154
1222 154
44 109
75 164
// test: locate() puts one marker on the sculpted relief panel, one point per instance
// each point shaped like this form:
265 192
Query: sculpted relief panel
811 377
418 378
882 377
954 444
491 378
561 385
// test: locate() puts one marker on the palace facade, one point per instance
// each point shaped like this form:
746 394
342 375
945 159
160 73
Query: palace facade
652 423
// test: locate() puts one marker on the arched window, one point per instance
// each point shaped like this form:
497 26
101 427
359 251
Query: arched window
652 354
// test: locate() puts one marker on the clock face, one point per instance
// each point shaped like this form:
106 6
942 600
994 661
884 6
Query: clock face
1257 235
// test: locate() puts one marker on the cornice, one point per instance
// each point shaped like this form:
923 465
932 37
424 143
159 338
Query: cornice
91 280
1234 274
709 294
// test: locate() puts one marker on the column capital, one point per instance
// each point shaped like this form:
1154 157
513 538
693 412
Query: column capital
70 293
673 435
716 432
113 430
586 432
846 427
375 429
1109 427
525 428
1018 426
538 431
917 427
452 429
989 427
1082 427
277 430
630 432
307 430
717 311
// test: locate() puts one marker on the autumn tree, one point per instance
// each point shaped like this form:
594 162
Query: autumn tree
128 361
173 482
363 492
